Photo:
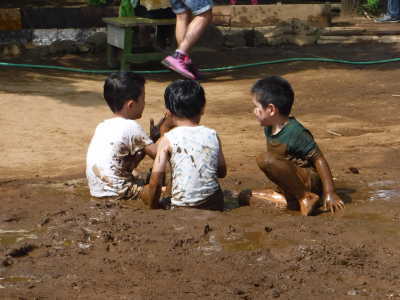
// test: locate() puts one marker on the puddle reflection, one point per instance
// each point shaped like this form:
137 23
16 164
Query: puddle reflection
10 237
387 195
249 241
15 280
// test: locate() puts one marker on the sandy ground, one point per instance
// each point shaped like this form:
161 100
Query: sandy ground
57 243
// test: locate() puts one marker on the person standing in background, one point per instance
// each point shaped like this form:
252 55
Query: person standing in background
192 18
392 12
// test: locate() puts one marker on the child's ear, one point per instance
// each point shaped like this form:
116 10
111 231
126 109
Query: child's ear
168 113
130 103
273 109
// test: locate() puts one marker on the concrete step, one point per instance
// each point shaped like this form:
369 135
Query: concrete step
358 30
352 39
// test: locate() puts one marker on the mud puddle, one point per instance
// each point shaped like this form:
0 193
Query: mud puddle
386 190
246 241
11 237
11 281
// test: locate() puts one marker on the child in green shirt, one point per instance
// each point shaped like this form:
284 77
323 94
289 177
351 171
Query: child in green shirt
293 160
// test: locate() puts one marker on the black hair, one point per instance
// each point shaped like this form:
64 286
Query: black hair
274 90
120 87
185 98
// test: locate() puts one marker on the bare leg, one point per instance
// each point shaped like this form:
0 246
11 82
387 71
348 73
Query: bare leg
293 182
182 23
194 31
151 192
262 198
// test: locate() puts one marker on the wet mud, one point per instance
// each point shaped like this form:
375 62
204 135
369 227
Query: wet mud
56 242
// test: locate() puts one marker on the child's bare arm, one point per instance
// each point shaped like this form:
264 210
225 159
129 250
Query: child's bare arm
151 192
151 150
330 199
221 162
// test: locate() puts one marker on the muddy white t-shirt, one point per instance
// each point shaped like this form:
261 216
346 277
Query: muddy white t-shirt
194 164
109 157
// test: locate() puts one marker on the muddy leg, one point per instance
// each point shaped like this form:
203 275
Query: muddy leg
155 193
292 181
262 198
151 192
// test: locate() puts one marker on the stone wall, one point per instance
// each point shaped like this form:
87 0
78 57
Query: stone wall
268 15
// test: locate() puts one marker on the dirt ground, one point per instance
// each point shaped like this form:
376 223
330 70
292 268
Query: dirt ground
58 243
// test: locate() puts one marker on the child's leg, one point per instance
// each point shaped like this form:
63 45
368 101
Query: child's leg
262 198
294 182
163 201
164 197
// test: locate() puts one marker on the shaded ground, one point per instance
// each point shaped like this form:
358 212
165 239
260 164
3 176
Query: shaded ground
55 242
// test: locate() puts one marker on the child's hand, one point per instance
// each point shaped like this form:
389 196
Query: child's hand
137 158
155 130
332 202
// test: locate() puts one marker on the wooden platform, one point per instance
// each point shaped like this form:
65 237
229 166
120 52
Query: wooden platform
120 35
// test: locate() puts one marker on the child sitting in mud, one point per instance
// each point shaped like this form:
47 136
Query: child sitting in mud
293 160
120 143
193 151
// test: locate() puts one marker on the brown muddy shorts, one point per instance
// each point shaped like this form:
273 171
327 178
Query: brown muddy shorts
213 202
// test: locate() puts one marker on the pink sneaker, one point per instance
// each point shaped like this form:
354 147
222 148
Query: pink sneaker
178 65
192 68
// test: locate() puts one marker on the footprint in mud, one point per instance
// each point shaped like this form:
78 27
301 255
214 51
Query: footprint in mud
348 131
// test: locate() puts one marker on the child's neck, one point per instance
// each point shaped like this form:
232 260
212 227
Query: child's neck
187 122
280 122
122 114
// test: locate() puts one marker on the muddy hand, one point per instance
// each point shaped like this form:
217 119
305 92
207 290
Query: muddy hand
155 129
137 158
333 203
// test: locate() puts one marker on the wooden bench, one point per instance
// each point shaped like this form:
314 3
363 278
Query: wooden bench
120 35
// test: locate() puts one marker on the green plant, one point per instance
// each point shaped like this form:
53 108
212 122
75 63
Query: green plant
371 7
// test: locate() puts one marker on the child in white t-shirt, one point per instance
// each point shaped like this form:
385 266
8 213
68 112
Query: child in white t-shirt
193 151
120 143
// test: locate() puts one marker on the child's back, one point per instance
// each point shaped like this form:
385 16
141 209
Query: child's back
194 163
109 158
194 152
119 143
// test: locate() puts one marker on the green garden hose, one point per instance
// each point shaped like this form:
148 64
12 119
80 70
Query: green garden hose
331 60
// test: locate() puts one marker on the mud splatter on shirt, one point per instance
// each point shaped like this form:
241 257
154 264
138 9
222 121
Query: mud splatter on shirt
194 163
109 157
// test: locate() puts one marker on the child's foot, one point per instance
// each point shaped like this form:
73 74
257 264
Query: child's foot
307 203
262 198
177 63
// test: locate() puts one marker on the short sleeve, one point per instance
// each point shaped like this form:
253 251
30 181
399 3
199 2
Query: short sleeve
138 138
302 144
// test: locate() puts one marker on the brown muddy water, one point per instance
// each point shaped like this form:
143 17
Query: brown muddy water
85 245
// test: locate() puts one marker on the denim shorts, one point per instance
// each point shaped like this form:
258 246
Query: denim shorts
197 7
